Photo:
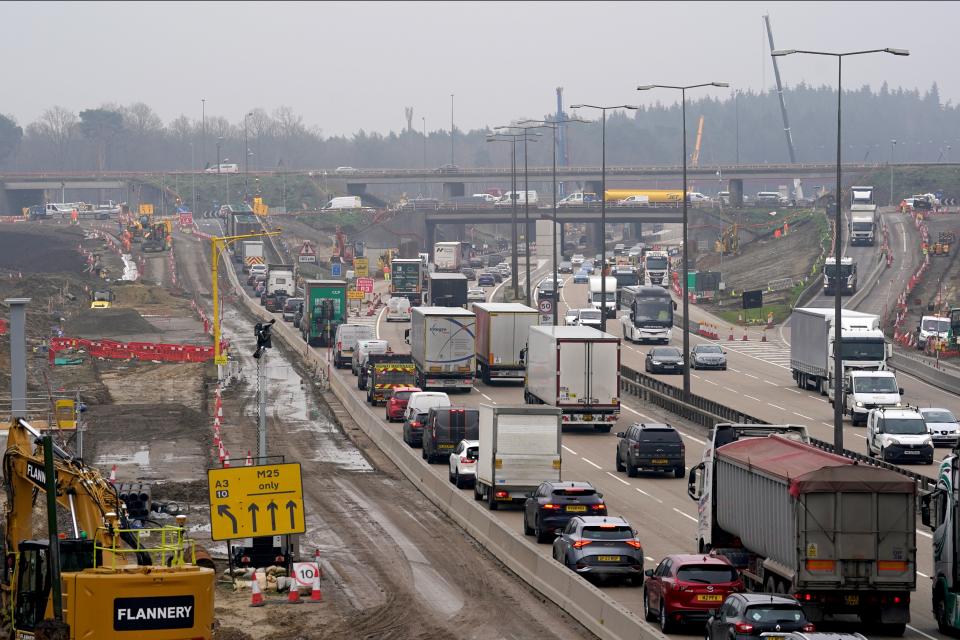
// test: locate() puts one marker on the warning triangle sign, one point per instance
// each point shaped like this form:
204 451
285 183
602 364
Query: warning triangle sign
307 249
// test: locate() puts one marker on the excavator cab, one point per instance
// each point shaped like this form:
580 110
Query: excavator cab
101 299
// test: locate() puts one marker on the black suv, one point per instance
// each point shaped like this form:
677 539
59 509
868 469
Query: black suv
748 615
657 447
551 506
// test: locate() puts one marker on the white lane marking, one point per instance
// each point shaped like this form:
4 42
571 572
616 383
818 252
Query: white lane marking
731 390
793 391
924 534
802 416
569 449
752 398
775 406
915 630
922 574
618 479
650 496
860 436
693 375
685 515
632 410
697 440
827 424
379 320
772 384
650 559
591 463
750 375
735 370
487 397
709 381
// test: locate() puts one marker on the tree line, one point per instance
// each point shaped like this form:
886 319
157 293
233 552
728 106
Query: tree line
743 126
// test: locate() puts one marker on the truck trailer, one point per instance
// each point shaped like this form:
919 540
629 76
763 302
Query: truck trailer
406 279
838 536
576 369
324 309
502 330
940 511
447 289
448 256
519 449
443 347
251 253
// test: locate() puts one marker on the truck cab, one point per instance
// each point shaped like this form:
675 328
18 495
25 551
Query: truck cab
867 390
936 327
846 279
940 511
899 435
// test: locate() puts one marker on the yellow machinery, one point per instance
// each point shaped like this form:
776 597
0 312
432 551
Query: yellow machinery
728 243
116 582
101 298
695 159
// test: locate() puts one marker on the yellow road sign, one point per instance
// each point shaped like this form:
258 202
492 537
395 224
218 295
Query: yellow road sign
353 294
361 267
264 500
146 209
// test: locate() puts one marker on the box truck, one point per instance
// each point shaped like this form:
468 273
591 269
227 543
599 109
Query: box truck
447 289
502 330
443 347
576 369
519 449
280 280
838 536
448 256
406 279
324 309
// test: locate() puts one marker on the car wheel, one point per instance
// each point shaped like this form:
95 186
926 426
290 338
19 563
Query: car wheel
461 482
424 455
678 472
647 613
620 466
631 469
527 529
542 537
450 473
665 625
883 454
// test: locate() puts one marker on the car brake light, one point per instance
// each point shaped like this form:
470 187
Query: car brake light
550 506
466 460
743 627
599 507
501 494
579 544
416 423
809 627
340 346
635 544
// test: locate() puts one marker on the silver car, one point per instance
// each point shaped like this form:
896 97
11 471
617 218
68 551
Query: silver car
708 356
600 546
942 425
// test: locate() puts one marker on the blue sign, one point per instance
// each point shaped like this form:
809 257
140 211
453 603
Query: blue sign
335 269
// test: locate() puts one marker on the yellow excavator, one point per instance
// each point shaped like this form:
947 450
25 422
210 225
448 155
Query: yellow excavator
116 581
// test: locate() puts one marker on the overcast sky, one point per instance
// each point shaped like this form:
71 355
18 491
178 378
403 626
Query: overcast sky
350 66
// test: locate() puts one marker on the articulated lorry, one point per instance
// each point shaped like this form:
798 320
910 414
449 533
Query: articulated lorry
940 510
447 289
812 345
794 519
656 269
443 346
448 256
576 369
502 330
863 216
519 449
406 279
324 309
846 279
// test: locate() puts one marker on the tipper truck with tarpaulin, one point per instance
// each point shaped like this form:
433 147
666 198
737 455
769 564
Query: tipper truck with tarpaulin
406 279
442 343
502 330
576 369
386 372
941 512
838 536
324 309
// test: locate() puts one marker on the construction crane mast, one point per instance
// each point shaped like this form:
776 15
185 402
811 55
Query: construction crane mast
783 104
695 159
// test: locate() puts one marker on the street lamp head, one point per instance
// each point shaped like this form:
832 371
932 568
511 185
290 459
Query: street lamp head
720 84
783 52
646 87
897 52
577 106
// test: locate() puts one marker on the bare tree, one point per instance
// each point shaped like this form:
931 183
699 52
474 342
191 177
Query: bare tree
289 123
59 125
140 119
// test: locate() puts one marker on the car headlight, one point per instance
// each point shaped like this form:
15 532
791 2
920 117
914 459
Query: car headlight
899 404
657 362
859 404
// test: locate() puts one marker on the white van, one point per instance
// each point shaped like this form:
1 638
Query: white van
346 340
362 351
398 309
423 401
522 197
344 202
223 168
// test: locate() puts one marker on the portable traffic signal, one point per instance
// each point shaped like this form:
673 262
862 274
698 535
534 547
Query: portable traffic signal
263 335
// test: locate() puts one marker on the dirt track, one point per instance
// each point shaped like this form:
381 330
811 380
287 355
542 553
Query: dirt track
396 566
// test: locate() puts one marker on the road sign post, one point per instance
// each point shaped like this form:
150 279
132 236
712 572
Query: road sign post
264 500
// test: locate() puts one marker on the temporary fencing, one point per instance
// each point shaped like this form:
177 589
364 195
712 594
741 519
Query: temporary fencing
113 350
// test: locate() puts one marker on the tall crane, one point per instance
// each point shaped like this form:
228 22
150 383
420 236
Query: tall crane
783 104
695 159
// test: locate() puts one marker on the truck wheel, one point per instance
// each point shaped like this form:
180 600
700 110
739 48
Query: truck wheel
620 466
940 612
631 469
491 500
476 492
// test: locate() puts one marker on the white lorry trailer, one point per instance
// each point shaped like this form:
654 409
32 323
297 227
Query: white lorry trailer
251 254
519 449
443 347
280 280
448 257
863 216
502 330
576 369
595 296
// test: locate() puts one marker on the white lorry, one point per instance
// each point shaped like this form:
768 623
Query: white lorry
595 296
448 256
251 254
656 269
936 327
280 280
812 345
344 202
863 216
576 369
443 347
502 330
519 449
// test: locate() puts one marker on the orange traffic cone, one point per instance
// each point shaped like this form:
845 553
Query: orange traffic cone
256 596
293 597
226 460
249 460
315 594
730 337
316 559
113 475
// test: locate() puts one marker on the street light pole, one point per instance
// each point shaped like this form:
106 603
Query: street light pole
193 175
203 135
246 157
838 401
893 144
451 130
526 214
686 240
423 187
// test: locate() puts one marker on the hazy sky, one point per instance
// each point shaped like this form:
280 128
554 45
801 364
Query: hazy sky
347 66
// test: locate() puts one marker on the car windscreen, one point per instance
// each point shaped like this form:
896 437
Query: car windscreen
774 613
656 262
709 348
875 385
857 225
589 314
938 416
707 574
904 426
612 532
665 353
940 326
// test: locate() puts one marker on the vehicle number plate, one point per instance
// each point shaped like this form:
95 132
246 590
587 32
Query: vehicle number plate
445 446
577 507
851 600
588 418
660 461
710 598
911 453
768 637
608 558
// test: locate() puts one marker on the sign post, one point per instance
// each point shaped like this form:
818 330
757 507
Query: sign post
263 500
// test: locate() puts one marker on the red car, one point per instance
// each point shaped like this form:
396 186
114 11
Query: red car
397 404
684 588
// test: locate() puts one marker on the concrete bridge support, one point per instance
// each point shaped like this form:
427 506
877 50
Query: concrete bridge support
454 189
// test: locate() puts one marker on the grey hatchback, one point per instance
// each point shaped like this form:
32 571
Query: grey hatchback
604 546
